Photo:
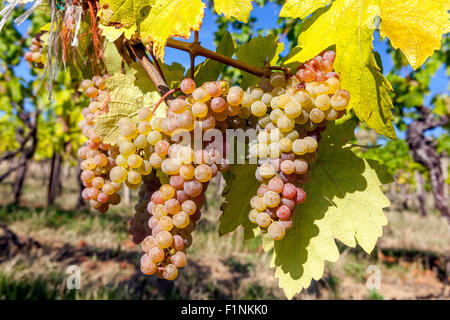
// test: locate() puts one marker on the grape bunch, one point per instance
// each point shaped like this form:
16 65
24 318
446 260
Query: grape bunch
291 114
98 158
34 56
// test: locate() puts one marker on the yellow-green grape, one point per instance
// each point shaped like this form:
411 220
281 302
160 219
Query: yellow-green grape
258 108
156 123
299 147
274 103
267 98
274 150
121 139
293 135
277 80
134 177
145 114
235 96
187 171
86 84
283 100
292 109
118 174
311 144
181 220
199 109
247 100
287 167
262 150
266 170
321 88
275 114
275 135
285 144
171 166
244 113
285 124
263 122
323 102
121 161
272 199
134 161
301 97
127 148
129 130
301 166
165 223
88 164
334 84
316 115
159 211
108 189
276 230
302 118
252 215
340 100
155 160
170 272
257 93
144 127
93 106
140 141
166 191
260 204
331 115
263 137
185 154
153 137
263 219
164 239
203 173
145 168
201 95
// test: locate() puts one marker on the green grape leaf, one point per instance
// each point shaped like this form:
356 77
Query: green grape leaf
125 100
211 69
172 73
259 51
344 202
241 187
112 58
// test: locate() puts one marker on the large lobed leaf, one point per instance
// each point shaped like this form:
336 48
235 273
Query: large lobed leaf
301 8
344 202
126 98
349 25
170 18
121 12
239 9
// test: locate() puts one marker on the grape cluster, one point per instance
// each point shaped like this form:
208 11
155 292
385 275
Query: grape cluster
291 114
35 53
98 158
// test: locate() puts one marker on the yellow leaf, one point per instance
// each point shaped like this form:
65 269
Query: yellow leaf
123 12
112 33
301 8
349 25
239 9
171 18
415 27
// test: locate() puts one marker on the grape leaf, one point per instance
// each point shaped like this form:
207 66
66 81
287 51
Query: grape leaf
170 18
241 187
112 33
112 58
301 8
239 9
123 12
210 69
349 25
259 51
416 27
172 73
125 101
344 201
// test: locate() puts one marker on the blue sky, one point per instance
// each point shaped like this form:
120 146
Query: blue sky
267 17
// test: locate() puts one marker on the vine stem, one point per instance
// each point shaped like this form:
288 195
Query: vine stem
196 49
168 93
